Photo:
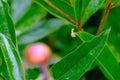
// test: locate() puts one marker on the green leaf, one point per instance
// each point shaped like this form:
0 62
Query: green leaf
115 3
110 70
32 73
89 7
77 62
40 31
113 21
63 40
18 7
1 78
9 2
84 36
11 67
114 17
6 23
84 9
30 17
0 61
77 4
79 11
59 4
110 67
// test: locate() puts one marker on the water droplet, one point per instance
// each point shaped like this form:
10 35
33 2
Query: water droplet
92 52
67 78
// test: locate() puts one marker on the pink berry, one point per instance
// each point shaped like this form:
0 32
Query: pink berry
37 53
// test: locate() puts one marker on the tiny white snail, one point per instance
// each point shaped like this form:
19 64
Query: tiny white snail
73 33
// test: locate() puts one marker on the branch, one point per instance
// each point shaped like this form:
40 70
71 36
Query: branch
64 14
103 20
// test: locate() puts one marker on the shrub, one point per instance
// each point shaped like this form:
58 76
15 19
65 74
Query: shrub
82 35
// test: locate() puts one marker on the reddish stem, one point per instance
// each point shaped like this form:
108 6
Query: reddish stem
64 14
79 27
106 12
44 70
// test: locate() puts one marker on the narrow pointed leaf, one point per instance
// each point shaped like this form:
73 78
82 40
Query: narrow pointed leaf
59 4
114 17
18 7
84 36
40 31
89 7
6 23
108 64
77 62
110 67
11 67
113 21
78 8
84 9
30 17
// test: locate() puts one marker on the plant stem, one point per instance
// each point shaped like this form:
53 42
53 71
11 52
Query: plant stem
44 71
103 20
64 14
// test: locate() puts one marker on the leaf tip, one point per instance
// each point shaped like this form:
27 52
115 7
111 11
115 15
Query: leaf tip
108 30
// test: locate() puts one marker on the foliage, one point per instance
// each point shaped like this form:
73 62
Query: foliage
93 51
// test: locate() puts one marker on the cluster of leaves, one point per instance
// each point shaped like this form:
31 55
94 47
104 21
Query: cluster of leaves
23 22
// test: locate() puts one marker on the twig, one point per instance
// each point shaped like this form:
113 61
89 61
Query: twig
64 14
106 12
44 71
